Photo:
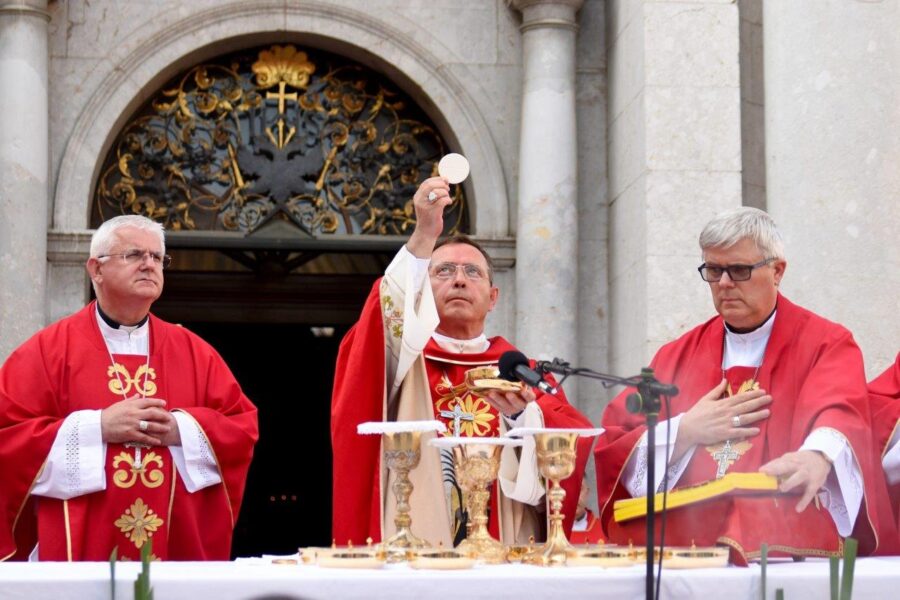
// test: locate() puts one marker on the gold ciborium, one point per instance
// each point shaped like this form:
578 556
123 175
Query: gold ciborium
401 444
476 462
556 455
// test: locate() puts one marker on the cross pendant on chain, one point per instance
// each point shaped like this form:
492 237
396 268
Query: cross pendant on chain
458 415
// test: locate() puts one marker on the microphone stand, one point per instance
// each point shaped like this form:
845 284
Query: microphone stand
646 402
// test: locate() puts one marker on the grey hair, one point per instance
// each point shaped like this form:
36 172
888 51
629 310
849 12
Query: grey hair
105 237
728 228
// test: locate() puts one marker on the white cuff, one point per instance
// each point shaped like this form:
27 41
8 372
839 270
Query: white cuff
843 490
891 459
75 464
193 458
519 477
635 471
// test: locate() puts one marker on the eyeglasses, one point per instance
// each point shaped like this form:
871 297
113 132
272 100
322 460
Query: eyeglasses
713 274
448 270
136 257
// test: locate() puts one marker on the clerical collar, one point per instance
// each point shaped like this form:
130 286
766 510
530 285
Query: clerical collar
476 345
113 324
767 322
747 349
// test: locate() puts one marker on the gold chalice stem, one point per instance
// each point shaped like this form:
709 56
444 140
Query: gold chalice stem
401 453
476 470
556 461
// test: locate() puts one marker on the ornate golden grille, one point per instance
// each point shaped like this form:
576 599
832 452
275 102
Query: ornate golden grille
275 133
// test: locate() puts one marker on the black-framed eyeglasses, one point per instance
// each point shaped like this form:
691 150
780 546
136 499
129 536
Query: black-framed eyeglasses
713 273
135 257
448 270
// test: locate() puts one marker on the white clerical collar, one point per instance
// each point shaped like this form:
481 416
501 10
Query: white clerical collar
747 349
127 339
476 345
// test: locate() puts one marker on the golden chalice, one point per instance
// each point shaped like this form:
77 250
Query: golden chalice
556 455
476 462
401 444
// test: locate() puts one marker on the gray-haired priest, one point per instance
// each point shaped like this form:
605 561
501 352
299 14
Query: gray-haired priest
421 329
764 386
117 428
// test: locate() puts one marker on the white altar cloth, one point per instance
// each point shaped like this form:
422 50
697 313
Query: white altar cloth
876 578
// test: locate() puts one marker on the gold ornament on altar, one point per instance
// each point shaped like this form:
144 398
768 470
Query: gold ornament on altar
401 443
476 462
556 461
348 557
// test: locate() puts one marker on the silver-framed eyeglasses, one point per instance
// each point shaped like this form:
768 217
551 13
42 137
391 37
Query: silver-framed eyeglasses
448 270
713 273
136 257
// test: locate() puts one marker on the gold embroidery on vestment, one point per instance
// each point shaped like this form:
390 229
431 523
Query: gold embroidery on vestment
150 478
140 382
139 523
482 422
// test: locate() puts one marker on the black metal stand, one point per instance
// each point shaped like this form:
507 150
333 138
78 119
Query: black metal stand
645 401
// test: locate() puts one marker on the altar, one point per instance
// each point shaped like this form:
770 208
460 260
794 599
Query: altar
258 579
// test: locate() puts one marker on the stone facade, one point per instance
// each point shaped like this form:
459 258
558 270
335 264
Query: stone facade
656 123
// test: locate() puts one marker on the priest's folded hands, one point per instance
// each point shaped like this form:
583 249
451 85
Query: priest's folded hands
139 420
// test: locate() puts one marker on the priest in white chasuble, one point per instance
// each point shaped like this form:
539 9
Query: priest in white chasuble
420 330
117 428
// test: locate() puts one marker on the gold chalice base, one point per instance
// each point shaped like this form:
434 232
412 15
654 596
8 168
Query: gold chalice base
602 556
439 559
485 549
350 558
695 558
515 554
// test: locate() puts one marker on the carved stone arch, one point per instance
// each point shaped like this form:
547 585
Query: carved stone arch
138 68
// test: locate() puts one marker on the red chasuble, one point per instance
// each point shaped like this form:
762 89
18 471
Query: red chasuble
65 368
884 396
814 372
359 391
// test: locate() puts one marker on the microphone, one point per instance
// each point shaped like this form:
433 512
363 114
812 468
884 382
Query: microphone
515 367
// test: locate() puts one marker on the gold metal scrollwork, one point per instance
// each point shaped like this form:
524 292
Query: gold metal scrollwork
127 478
300 135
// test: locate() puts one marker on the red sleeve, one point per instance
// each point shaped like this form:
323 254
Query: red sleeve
358 397
30 418
884 402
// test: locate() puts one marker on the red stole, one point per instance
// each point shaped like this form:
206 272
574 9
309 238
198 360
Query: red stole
137 503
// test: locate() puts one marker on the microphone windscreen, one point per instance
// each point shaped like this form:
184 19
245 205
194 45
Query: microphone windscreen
509 360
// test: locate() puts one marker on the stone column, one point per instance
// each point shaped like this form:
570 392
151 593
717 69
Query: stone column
674 162
833 162
547 225
24 57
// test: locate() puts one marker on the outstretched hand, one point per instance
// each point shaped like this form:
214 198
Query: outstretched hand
805 469
429 215
510 403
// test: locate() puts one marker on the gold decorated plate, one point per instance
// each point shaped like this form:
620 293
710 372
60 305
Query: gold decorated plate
350 559
515 554
442 560
696 558
484 379
602 556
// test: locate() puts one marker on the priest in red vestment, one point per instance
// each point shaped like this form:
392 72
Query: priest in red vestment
764 386
421 329
117 428
884 395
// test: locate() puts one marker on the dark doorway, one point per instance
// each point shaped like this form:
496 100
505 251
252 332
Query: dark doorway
288 372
